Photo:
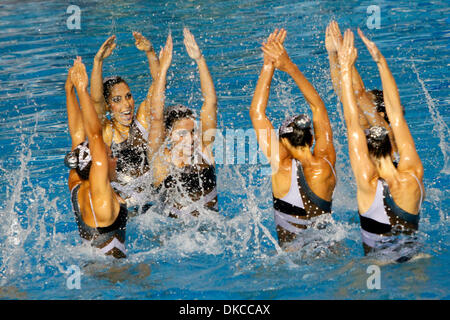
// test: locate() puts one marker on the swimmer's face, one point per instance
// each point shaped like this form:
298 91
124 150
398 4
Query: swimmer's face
112 164
121 104
182 137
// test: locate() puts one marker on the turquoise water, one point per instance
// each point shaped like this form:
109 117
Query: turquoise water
234 256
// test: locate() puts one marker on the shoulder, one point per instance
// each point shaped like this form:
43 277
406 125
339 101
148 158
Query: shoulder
107 132
74 179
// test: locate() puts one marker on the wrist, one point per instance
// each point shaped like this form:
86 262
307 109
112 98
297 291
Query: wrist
69 87
98 59
199 58
290 67
346 67
81 88
332 52
381 61
268 65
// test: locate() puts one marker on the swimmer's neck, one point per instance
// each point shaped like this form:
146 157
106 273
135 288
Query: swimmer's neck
120 127
303 154
385 167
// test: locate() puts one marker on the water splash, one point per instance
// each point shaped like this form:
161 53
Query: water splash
439 125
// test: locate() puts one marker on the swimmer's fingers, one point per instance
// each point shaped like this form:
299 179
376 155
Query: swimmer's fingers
269 53
272 36
347 52
142 43
371 46
79 75
165 56
269 49
335 31
69 83
334 35
191 45
106 48
328 42
281 36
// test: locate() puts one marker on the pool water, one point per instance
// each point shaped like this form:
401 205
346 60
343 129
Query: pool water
234 255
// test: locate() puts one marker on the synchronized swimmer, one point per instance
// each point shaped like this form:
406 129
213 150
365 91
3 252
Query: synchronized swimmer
119 162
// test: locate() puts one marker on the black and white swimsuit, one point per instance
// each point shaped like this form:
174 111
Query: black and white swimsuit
300 204
133 169
385 219
189 188
110 240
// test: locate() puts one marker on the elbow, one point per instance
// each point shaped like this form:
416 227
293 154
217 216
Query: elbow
210 102
254 114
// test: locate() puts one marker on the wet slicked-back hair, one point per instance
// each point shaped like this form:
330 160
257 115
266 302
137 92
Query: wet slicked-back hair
378 142
176 112
108 84
297 130
379 103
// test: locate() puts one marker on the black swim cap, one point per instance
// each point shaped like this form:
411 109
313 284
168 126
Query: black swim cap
80 159
378 141
297 129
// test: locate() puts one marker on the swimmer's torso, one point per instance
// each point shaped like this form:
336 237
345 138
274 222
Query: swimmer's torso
406 190
299 204
385 219
110 239
189 188
132 160
318 174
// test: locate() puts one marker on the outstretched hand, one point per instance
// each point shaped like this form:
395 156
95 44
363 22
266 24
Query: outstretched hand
106 49
78 75
142 43
278 35
347 53
69 85
191 46
333 37
165 55
275 52
373 49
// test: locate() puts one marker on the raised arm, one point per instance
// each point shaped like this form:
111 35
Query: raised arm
97 77
104 201
261 123
157 129
362 166
409 158
368 116
322 128
74 116
208 114
332 43
143 44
